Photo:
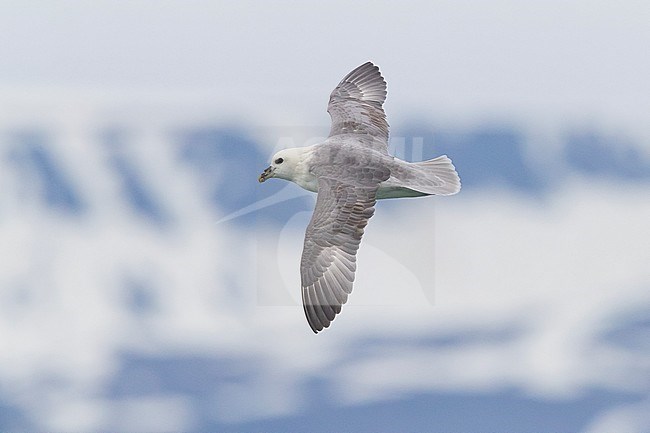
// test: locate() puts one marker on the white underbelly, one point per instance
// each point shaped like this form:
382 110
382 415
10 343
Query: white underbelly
387 189
390 190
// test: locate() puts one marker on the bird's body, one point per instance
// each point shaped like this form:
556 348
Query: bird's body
350 171
400 184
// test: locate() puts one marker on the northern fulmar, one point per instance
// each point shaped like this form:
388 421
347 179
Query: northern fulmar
350 171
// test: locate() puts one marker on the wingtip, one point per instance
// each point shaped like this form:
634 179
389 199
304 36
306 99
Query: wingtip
315 329
314 325
312 318
364 67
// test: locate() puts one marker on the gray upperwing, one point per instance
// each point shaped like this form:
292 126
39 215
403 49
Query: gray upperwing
332 239
345 202
355 106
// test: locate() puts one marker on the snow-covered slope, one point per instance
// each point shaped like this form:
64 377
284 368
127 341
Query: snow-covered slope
149 283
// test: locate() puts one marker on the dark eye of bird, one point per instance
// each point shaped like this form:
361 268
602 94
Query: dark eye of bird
279 161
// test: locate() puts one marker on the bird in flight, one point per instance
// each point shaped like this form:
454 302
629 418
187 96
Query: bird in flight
350 171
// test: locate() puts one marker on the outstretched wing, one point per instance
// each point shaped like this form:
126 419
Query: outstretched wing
355 106
331 242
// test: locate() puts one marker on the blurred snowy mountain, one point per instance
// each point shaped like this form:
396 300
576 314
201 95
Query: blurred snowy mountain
225 162
137 296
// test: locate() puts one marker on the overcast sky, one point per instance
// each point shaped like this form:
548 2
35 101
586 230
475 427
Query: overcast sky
585 60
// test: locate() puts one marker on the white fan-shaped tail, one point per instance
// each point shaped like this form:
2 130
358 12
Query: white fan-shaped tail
440 177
